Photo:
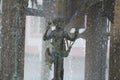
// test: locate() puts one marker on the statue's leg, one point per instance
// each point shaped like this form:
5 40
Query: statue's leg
48 58
60 68
56 68
65 53
59 71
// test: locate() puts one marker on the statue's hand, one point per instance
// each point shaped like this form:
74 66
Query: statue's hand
49 23
48 27
68 51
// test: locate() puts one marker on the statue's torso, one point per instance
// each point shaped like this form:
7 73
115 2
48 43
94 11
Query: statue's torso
58 40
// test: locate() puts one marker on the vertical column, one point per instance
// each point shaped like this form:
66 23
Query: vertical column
0 32
114 63
0 41
96 45
60 7
64 9
13 38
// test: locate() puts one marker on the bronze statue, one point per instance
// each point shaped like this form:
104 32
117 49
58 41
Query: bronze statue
58 51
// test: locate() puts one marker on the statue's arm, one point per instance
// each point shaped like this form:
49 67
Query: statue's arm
46 35
71 37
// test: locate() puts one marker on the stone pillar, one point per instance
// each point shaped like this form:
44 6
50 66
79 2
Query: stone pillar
13 39
114 63
0 42
96 44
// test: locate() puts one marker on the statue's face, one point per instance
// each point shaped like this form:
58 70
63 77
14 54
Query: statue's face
59 23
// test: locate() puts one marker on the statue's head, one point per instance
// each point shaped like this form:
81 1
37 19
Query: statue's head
58 22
